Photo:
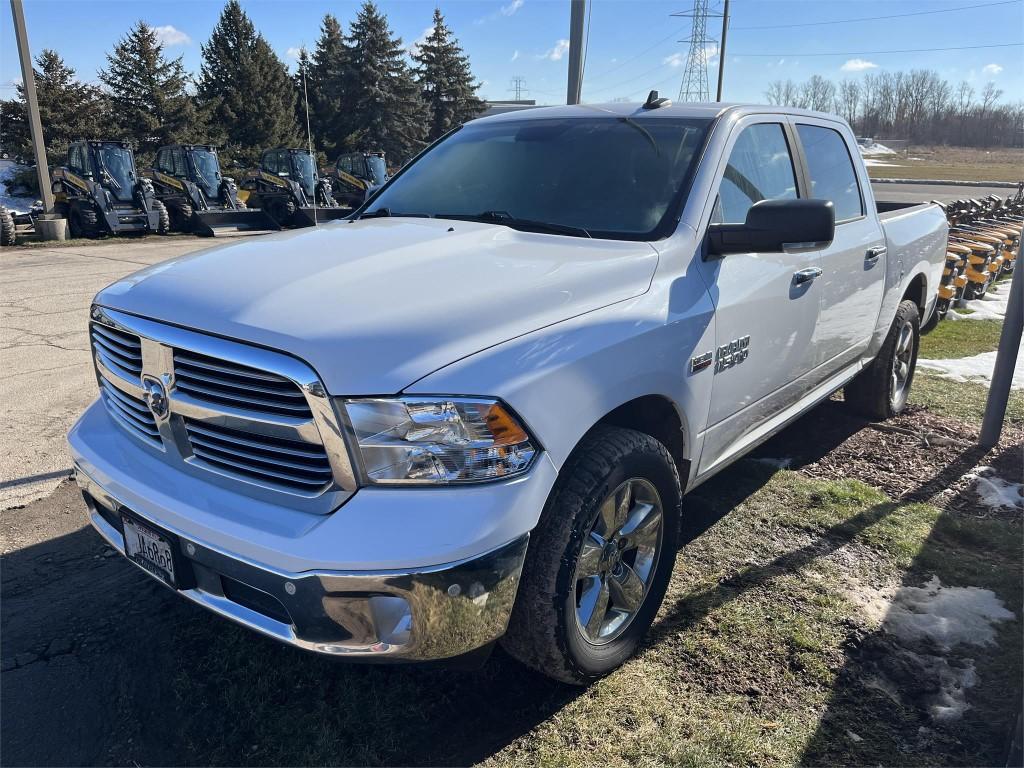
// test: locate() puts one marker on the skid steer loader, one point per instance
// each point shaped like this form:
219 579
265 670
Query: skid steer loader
357 175
199 199
286 186
100 192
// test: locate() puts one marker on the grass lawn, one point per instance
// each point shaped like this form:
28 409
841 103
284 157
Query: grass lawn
953 163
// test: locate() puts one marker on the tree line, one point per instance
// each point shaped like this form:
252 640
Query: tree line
363 93
917 105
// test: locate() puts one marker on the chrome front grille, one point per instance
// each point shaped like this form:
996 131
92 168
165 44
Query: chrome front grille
118 350
269 459
235 415
133 414
237 386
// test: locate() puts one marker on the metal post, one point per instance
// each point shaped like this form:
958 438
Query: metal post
721 50
32 104
575 86
1006 359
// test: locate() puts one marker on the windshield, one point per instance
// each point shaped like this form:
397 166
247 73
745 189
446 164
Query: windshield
207 171
612 177
377 169
305 171
117 170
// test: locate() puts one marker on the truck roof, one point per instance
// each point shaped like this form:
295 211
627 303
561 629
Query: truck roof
635 109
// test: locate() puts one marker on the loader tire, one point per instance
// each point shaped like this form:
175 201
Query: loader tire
83 221
881 389
181 217
549 629
7 236
163 225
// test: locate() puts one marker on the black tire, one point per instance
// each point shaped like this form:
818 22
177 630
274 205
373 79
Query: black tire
544 632
181 216
880 391
163 224
83 221
7 232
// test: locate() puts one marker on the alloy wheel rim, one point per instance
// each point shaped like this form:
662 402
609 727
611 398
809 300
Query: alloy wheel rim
901 361
617 561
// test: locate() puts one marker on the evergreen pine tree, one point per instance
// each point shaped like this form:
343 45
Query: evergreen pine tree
302 80
147 93
327 79
445 80
246 88
68 110
382 103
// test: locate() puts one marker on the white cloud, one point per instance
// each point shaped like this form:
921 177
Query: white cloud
992 69
293 53
678 59
675 60
858 65
413 48
557 53
515 55
511 8
168 36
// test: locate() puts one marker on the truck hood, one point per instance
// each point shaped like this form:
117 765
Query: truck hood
376 304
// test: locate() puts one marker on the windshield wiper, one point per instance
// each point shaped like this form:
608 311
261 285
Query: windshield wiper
381 213
528 225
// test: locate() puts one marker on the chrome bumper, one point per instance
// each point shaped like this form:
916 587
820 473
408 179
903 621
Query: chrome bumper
426 614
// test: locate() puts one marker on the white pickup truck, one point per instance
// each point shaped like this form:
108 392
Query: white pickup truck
472 412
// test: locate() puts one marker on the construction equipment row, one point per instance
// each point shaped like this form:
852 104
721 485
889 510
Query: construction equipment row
100 191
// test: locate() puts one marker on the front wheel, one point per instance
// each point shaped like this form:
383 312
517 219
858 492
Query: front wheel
881 389
600 558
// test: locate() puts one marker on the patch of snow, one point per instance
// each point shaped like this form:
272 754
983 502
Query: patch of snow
976 368
991 306
870 162
994 492
875 150
950 702
946 616
17 203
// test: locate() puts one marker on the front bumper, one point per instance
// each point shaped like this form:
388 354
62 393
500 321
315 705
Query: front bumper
411 614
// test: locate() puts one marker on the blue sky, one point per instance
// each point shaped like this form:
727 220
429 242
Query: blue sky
633 44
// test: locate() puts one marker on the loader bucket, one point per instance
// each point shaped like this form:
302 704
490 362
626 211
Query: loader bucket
214 222
304 216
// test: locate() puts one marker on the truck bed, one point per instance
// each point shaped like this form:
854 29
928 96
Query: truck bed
888 209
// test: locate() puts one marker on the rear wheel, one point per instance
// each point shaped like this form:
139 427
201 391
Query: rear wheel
181 216
7 233
83 221
163 224
881 389
600 559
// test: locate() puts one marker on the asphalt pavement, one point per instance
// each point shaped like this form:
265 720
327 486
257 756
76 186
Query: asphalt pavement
46 376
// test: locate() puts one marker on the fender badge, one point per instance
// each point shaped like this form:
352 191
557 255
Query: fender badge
700 362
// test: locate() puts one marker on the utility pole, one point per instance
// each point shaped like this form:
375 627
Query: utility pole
28 79
576 16
519 87
1006 360
721 49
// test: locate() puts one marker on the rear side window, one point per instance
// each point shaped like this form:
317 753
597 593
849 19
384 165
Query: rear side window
760 168
831 169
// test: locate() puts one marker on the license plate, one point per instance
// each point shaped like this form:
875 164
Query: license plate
149 549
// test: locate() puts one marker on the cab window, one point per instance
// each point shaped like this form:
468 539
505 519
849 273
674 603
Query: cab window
760 168
831 170
345 164
76 160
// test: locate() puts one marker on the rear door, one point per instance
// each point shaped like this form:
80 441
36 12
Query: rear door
764 319
853 266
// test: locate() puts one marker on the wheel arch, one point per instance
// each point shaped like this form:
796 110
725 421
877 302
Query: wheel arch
657 416
917 292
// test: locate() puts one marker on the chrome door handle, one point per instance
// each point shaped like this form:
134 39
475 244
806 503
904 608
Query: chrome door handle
806 275
874 253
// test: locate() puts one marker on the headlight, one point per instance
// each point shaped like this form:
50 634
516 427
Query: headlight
437 440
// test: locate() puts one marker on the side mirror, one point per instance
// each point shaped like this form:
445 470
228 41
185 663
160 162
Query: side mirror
773 226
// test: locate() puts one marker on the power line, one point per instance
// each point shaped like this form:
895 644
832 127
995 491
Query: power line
694 86
877 53
876 18
519 87
619 65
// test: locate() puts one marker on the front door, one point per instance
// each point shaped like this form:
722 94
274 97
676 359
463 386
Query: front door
764 313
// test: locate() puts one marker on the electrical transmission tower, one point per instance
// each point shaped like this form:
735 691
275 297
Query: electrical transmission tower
519 87
695 76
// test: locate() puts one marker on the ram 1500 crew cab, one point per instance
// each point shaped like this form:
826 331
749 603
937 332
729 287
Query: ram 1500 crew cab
472 412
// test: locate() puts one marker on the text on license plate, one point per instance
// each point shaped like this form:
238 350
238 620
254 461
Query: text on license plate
149 549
